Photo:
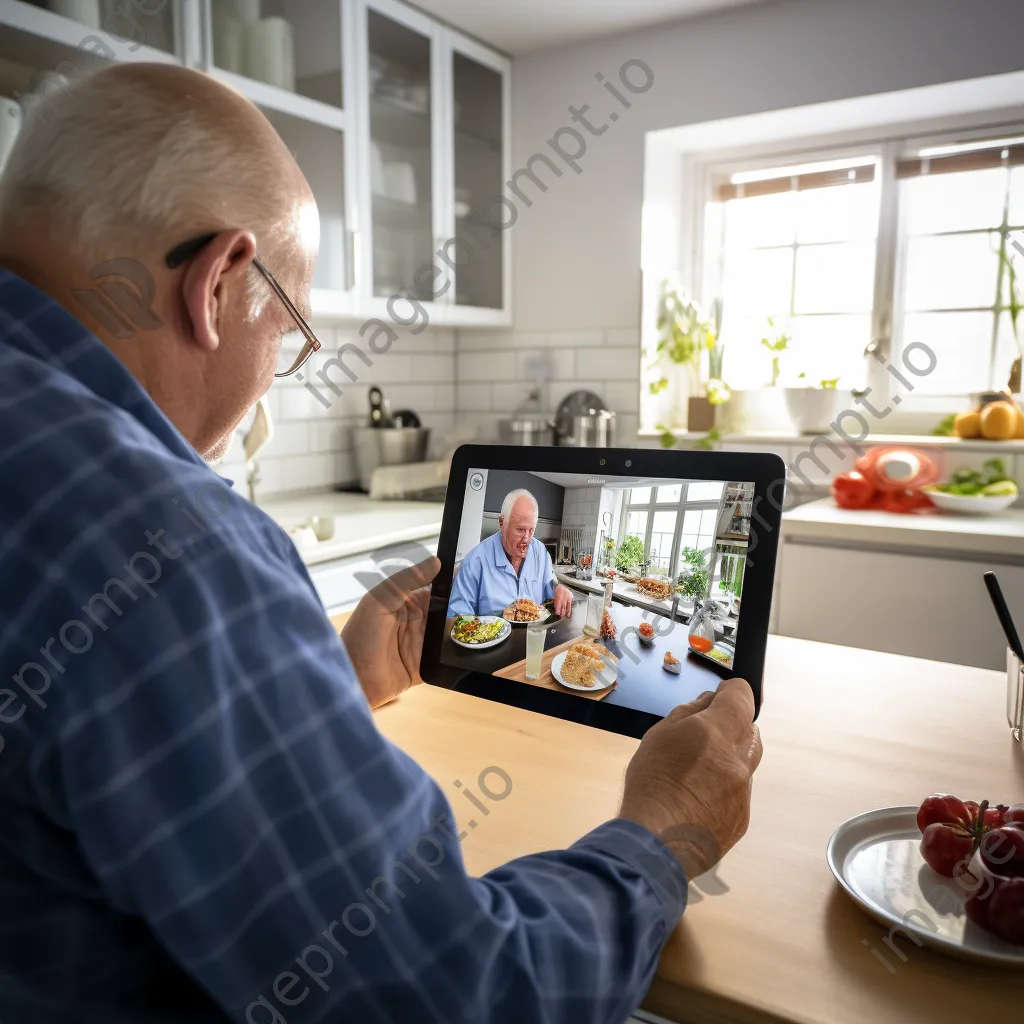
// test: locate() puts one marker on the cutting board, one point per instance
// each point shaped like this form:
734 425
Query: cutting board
517 672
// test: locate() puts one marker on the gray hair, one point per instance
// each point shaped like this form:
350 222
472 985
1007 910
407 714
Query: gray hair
512 497
118 157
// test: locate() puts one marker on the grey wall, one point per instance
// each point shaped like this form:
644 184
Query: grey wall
550 496
576 249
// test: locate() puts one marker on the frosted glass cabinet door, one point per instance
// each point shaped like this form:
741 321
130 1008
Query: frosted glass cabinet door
401 111
293 45
477 113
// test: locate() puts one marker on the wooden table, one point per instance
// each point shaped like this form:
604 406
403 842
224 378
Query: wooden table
642 682
844 731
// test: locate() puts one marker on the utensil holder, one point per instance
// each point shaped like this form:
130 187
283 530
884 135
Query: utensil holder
1015 695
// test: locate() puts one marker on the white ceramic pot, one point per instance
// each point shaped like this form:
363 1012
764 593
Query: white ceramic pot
758 410
813 410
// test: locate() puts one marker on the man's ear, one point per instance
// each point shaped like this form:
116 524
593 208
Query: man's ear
214 283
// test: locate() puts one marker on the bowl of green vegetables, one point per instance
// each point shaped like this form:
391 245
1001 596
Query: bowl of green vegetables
975 492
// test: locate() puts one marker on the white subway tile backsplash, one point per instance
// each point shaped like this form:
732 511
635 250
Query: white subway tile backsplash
328 436
611 364
621 396
507 396
485 366
483 341
433 368
623 337
471 398
290 438
576 339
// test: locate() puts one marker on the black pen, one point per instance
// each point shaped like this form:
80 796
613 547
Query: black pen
1005 618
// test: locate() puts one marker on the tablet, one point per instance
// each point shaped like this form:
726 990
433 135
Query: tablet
603 586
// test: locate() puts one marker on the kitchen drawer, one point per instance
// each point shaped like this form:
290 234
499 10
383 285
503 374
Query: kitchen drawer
926 605
342 582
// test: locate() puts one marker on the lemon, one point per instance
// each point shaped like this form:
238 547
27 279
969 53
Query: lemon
1002 489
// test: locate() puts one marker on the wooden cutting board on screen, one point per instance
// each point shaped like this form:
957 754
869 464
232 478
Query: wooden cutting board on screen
517 672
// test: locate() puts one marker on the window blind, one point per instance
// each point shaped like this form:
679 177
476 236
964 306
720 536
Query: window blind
724 190
984 158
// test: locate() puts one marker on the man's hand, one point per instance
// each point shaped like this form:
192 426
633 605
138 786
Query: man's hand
689 781
384 636
563 601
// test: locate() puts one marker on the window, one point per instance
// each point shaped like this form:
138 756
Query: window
959 211
876 247
797 245
671 517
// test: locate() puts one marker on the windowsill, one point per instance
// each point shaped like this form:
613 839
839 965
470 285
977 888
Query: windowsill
777 438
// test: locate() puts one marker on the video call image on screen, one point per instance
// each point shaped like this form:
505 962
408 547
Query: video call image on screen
620 589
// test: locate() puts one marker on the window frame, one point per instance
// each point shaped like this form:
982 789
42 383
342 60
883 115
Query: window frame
680 508
891 144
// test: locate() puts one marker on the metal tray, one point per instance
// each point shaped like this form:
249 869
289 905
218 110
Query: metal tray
876 858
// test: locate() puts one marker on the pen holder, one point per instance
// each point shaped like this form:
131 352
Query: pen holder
1015 695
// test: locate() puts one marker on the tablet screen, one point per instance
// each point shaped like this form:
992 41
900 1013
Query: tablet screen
621 589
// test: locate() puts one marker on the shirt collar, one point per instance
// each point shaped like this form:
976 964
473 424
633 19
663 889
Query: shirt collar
37 325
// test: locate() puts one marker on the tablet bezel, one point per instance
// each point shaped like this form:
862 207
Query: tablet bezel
766 472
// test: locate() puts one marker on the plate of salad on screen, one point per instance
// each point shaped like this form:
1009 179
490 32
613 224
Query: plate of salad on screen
480 631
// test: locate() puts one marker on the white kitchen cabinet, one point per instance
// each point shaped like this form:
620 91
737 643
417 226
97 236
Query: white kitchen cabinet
400 124
434 144
901 584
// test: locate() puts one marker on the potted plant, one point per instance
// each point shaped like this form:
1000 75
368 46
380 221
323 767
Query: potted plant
684 334
630 554
762 408
813 410
693 579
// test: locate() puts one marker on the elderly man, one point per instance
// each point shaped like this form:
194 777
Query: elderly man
508 565
200 820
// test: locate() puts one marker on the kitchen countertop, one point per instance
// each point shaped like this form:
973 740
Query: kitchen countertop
1001 534
360 524
777 939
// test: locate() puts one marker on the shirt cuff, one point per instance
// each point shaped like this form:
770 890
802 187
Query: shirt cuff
649 857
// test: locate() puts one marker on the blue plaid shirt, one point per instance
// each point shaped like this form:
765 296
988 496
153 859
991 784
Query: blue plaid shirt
198 818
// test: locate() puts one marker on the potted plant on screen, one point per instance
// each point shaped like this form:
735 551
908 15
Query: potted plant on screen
630 555
814 408
693 577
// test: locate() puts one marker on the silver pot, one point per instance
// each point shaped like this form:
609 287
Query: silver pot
593 429
527 430
387 446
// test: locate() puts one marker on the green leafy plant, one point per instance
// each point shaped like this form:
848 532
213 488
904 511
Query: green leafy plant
694 558
732 575
776 341
944 428
990 479
830 384
630 552
684 333
1014 303
695 586
708 441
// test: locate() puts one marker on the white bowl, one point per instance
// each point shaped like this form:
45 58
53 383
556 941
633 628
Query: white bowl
971 505
814 410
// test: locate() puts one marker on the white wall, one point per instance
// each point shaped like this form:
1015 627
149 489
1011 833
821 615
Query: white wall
576 250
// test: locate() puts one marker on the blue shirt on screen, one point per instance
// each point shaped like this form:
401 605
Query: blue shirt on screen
486 583
200 820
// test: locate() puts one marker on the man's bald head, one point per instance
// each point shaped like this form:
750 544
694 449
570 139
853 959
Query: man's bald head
142 150
132 161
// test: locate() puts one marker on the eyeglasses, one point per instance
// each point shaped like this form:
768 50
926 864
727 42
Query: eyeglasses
187 250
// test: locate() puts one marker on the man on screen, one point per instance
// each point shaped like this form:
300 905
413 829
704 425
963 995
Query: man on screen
508 565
